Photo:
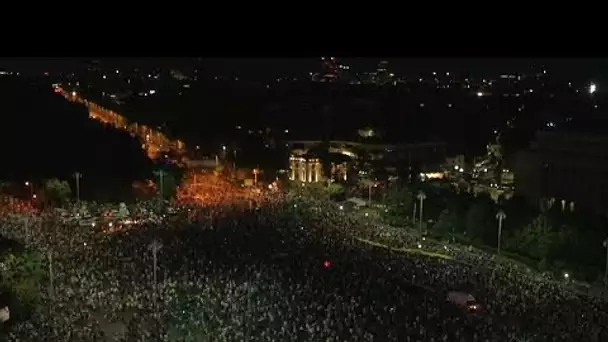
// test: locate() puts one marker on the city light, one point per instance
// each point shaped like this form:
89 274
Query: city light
592 88
73 93
479 94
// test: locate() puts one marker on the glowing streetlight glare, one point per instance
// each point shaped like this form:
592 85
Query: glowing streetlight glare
73 93
592 88
479 94
27 183
566 275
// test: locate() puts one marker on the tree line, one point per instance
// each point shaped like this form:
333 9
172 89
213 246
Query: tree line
553 239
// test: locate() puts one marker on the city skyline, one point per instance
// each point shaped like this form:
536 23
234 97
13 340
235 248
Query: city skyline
568 67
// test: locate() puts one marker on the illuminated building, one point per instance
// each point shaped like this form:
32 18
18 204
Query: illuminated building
303 169
424 154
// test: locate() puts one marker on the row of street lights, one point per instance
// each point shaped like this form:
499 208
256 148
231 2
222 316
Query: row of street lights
500 217
76 175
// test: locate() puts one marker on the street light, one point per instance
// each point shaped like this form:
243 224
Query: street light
500 216
606 272
369 193
421 197
155 246
77 176
255 176
31 186
161 175
51 275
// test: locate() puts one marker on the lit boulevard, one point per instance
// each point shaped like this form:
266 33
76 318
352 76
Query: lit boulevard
154 142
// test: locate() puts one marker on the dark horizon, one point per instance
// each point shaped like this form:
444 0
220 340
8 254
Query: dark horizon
254 67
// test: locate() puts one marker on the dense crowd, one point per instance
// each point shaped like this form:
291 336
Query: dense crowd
272 270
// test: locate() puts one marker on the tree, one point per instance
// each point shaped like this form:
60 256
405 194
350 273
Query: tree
57 192
399 203
21 278
169 177
480 221
447 223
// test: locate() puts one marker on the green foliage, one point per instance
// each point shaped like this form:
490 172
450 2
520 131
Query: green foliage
447 224
171 179
22 275
480 222
57 192
399 201
335 189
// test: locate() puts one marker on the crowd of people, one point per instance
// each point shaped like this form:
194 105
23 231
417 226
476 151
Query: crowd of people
279 270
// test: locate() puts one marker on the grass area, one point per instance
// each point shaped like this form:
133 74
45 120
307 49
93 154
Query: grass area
405 250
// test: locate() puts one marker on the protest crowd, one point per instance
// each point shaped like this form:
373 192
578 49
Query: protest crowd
227 266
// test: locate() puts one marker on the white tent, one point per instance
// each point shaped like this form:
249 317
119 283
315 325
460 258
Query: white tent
5 314
357 201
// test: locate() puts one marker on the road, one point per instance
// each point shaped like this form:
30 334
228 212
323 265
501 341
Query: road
153 141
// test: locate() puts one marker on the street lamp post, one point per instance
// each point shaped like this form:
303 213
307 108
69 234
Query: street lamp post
369 194
77 176
51 276
26 228
31 186
421 197
500 216
606 272
155 246
161 175
255 176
